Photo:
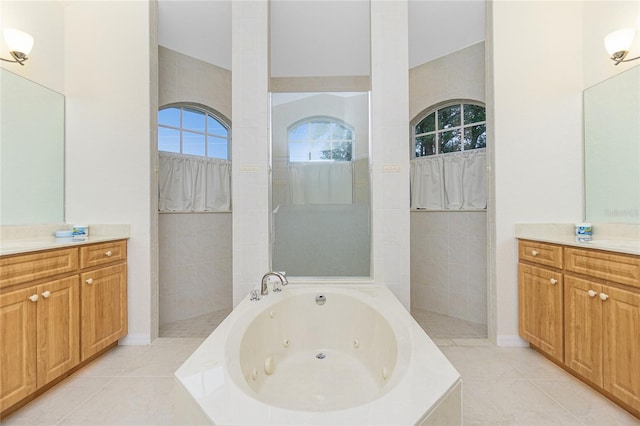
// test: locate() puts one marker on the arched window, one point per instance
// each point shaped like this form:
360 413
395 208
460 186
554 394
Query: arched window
192 129
450 128
320 139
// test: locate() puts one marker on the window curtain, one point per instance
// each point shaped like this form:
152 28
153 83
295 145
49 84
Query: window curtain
449 182
321 183
193 184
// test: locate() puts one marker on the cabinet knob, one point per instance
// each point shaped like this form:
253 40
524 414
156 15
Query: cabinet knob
592 293
33 298
89 281
46 294
553 281
108 253
604 296
534 253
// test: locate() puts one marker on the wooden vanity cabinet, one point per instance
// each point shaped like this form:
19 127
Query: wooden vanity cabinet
39 338
540 297
602 321
103 308
593 327
58 308
103 305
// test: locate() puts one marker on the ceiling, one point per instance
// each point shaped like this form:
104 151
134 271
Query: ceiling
308 36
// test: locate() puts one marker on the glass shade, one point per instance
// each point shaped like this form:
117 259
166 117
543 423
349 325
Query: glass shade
18 41
619 41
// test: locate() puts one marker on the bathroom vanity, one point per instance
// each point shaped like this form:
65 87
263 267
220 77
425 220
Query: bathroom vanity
579 305
61 305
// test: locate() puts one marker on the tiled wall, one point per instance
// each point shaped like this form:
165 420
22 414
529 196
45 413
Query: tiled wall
186 79
449 248
250 178
459 75
389 136
449 263
194 248
195 264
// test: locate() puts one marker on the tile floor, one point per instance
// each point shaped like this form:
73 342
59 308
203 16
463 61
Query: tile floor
134 385
200 326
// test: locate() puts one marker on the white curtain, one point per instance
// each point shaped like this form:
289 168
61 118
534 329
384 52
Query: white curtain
321 183
449 182
193 184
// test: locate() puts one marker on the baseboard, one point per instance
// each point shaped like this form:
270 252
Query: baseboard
512 342
135 340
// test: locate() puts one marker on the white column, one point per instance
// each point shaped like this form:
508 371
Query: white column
250 148
390 145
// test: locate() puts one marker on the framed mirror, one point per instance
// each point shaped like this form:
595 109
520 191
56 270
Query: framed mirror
612 149
31 152
320 184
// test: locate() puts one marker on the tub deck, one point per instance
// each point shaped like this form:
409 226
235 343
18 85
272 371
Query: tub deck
423 388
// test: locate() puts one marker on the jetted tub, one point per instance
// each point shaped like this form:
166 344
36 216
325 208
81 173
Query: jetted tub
319 354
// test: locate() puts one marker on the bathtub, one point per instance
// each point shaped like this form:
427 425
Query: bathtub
319 354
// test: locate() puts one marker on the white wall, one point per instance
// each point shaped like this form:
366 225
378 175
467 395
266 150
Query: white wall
200 29
44 20
308 38
108 136
536 57
438 28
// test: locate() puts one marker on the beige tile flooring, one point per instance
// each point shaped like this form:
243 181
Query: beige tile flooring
134 385
200 326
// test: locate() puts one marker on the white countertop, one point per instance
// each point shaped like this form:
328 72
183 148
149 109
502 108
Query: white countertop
24 239
610 237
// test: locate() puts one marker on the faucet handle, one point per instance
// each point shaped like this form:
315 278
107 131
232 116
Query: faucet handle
254 295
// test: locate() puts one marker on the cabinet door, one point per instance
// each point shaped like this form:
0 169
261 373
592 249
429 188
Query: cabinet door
583 328
58 336
17 346
540 299
621 321
103 308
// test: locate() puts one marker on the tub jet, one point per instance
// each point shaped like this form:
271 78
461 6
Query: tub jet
320 356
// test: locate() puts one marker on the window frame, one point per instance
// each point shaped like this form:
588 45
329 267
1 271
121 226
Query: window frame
434 110
209 112
309 141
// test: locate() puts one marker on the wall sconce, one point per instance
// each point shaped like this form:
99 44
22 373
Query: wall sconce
619 42
19 44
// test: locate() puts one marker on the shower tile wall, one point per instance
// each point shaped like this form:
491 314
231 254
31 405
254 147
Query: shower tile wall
195 264
449 263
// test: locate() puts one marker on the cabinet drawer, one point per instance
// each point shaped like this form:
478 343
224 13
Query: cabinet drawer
619 268
100 254
30 267
541 253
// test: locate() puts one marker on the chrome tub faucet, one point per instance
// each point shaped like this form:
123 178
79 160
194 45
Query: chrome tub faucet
264 290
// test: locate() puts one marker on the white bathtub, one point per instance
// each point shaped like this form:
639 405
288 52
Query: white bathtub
359 358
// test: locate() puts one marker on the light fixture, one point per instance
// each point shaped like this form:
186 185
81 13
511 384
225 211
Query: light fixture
619 42
19 44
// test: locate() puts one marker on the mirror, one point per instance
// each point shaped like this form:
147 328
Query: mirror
320 224
31 152
612 149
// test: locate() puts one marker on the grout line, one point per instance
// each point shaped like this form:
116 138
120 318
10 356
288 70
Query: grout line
558 403
90 397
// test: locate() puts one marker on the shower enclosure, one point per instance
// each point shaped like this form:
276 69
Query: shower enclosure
320 220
